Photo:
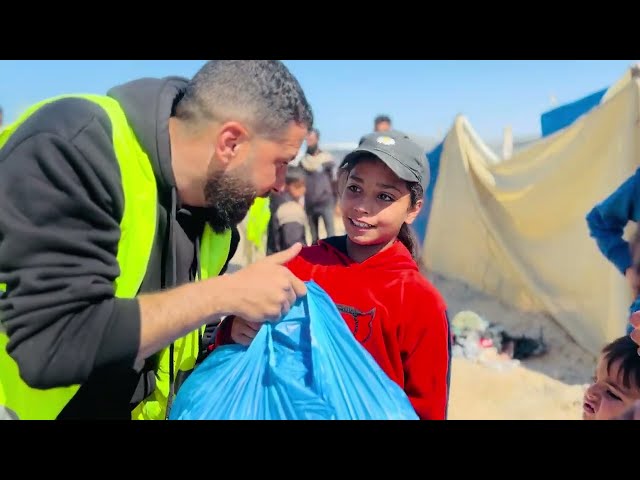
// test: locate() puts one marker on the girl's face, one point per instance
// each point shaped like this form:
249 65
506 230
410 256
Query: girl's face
375 203
607 397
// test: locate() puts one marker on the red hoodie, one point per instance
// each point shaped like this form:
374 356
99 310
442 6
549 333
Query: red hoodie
393 311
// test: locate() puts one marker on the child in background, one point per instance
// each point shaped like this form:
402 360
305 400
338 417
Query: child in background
372 275
287 223
616 385
607 221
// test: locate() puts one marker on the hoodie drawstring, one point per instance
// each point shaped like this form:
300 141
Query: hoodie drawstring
198 277
174 283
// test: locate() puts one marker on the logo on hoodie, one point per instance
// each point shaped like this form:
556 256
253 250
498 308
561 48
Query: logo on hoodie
361 323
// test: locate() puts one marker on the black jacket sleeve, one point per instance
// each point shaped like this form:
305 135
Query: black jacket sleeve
61 203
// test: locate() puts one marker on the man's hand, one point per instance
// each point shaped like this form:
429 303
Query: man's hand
260 292
243 332
265 290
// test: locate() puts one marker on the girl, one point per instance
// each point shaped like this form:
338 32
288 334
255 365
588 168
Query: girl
372 275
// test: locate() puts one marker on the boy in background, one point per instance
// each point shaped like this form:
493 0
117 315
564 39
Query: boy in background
287 223
607 222
616 384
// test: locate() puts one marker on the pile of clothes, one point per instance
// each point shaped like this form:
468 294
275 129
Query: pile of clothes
489 343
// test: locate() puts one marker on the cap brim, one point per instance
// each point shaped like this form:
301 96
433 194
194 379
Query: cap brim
396 167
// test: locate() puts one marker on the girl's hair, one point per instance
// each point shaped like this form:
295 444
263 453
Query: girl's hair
406 234
625 350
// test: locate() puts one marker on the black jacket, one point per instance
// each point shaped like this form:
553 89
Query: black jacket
286 224
61 204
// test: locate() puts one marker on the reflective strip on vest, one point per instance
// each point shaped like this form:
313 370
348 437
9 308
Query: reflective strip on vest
137 232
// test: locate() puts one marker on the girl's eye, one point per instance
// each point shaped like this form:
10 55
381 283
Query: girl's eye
385 197
353 188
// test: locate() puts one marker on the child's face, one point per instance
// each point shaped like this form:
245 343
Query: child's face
296 190
375 203
607 397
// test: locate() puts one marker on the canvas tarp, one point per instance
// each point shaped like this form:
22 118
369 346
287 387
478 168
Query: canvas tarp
516 229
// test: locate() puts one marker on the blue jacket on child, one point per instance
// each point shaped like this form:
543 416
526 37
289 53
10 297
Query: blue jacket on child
607 221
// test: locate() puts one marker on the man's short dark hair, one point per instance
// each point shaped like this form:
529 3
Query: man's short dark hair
262 93
625 350
295 175
382 118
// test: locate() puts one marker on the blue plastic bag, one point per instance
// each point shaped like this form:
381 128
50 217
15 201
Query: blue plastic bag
307 366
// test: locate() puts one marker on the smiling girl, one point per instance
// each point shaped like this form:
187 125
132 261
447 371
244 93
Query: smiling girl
372 275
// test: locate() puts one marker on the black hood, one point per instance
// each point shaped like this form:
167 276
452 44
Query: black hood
148 104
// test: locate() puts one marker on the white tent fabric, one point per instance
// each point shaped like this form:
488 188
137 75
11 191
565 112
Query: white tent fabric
516 229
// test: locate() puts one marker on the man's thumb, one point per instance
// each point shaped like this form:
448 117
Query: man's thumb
285 256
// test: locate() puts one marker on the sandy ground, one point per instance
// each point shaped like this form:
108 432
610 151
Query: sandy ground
479 393
546 388
549 387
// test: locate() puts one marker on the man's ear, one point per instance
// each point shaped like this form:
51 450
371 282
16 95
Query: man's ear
413 212
229 141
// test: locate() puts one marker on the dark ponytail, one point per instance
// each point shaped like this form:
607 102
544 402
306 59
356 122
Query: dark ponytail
409 240
406 234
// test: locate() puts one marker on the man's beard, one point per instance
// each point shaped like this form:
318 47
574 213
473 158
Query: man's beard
228 197
312 150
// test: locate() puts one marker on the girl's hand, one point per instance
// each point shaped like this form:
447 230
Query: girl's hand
243 332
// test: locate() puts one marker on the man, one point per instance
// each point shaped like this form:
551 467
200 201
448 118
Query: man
111 207
319 199
382 123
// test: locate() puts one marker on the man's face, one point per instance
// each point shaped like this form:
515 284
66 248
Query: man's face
228 197
383 127
268 159
258 169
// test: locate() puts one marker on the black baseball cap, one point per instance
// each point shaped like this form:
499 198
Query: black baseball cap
402 155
